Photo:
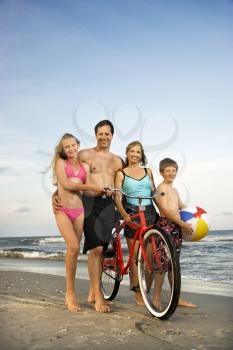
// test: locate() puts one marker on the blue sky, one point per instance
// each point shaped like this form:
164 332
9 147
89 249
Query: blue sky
160 70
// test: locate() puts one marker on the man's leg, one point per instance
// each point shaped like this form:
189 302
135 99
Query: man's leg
95 294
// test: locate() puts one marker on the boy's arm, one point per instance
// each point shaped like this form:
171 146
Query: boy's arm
171 214
180 203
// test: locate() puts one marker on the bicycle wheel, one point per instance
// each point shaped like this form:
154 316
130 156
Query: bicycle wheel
160 287
110 278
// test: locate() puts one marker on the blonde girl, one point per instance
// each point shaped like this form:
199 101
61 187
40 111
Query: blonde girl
72 178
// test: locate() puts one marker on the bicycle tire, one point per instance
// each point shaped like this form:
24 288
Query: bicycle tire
165 264
110 278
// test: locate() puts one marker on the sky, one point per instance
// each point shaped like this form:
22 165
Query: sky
160 70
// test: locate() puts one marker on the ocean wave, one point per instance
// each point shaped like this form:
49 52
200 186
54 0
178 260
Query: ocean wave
39 240
218 239
214 279
208 240
31 254
47 240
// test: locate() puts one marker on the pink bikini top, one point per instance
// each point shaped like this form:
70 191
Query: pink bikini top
70 171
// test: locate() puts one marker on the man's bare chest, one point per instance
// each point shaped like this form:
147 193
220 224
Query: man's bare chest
102 166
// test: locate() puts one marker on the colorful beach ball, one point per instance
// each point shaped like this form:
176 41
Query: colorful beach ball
198 218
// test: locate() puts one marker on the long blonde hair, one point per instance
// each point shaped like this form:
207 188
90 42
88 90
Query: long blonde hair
59 153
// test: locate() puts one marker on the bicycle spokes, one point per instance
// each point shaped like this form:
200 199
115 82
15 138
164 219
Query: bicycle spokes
110 277
160 254
160 285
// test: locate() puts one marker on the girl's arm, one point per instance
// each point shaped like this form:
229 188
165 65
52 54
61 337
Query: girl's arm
149 171
68 184
118 196
153 187
87 180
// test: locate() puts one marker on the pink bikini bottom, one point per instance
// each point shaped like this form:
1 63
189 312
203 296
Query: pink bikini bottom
72 213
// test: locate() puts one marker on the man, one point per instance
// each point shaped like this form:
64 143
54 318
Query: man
99 211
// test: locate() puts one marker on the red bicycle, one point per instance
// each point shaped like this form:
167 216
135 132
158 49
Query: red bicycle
158 265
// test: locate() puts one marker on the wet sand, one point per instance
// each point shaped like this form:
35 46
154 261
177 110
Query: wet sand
33 316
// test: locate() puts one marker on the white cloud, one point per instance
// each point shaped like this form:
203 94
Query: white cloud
227 213
22 210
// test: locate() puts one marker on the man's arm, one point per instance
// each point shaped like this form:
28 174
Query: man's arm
56 202
83 155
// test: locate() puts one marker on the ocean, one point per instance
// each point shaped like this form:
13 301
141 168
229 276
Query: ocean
206 265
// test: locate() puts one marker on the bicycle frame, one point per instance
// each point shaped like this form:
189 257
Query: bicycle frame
155 253
140 231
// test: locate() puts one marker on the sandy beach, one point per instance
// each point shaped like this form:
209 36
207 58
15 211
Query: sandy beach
33 316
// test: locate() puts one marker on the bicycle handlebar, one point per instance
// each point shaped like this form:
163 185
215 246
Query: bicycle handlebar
157 193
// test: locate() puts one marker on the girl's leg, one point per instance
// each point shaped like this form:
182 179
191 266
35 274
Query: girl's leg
72 249
78 229
134 283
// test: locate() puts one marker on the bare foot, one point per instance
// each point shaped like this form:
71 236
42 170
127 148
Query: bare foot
91 296
92 301
138 299
71 303
185 303
101 306
157 304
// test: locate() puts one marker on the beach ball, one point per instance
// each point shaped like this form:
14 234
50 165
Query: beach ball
198 218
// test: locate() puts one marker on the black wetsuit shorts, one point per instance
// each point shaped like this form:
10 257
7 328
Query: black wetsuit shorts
100 219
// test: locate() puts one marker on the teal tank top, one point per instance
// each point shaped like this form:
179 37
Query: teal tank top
136 187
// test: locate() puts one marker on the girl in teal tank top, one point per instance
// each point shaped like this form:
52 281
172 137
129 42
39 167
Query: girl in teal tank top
137 187
135 180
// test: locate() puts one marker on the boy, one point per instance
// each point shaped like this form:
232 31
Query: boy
169 206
